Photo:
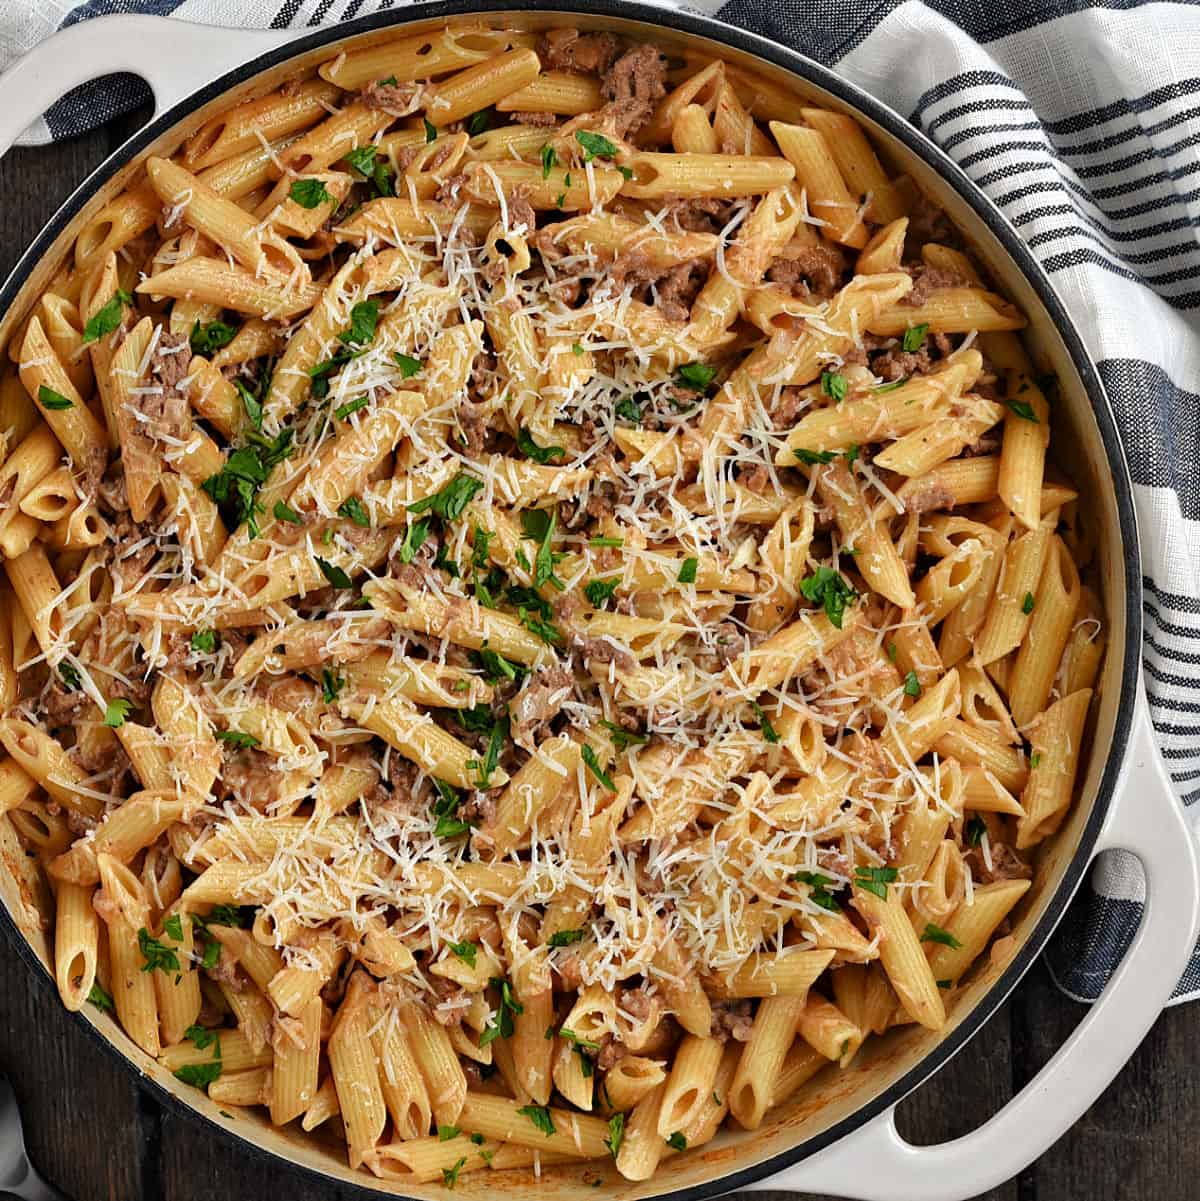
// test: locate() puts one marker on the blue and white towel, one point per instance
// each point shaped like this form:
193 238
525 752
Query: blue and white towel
1082 122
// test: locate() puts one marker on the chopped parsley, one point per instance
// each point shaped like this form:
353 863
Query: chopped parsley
616 1134
502 1027
69 674
431 133
201 1036
98 997
598 592
834 386
687 572
875 879
914 337
539 1115
595 145
549 160
622 739
287 513
238 739
1024 410
352 509
677 1141
599 543
1027 604
351 406
589 757
768 731
156 954
201 1075
49 399
540 454
976 828
466 951
896 383
105 320
819 893
813 457
446 1133
1035 759
250 402
414 539
912 686
696 376
565 938
334 574
479 122
368 163
364 318
214 336
450 1175
115 713
628 409
407 364
450 502
331 685
829 589
308 193
235 487
934 933
496 667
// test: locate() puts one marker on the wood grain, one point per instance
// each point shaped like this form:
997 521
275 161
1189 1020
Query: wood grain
98 1138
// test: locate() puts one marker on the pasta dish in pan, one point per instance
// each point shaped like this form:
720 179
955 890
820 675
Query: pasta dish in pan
539 612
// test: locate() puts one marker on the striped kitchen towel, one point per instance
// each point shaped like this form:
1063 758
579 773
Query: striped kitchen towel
1081 121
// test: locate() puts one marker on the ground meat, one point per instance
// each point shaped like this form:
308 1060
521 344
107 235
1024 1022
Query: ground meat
479 807
927 222
895 363
453 1002
730 641
786 412
402 776
449 189
815 271
60 705
639 74
1006 864
672 291
926 280
251 779
678 289
570 971
700 216
930 495
732 1019
989 444
757 479
538 703
566 605
520 211
611 1053
602 650
472 420
579 53
227 972
538 119
399 99
166 413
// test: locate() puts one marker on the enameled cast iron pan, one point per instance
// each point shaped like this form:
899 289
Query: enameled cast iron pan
839 1135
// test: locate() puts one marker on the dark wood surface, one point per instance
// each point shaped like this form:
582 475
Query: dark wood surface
98 1138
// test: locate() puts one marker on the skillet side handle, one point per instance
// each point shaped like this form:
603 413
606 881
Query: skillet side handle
875 1164
173 57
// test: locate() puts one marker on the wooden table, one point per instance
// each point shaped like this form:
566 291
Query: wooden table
98 1138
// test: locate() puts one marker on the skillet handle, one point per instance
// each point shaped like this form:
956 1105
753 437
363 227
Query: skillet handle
876 1164
173 57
